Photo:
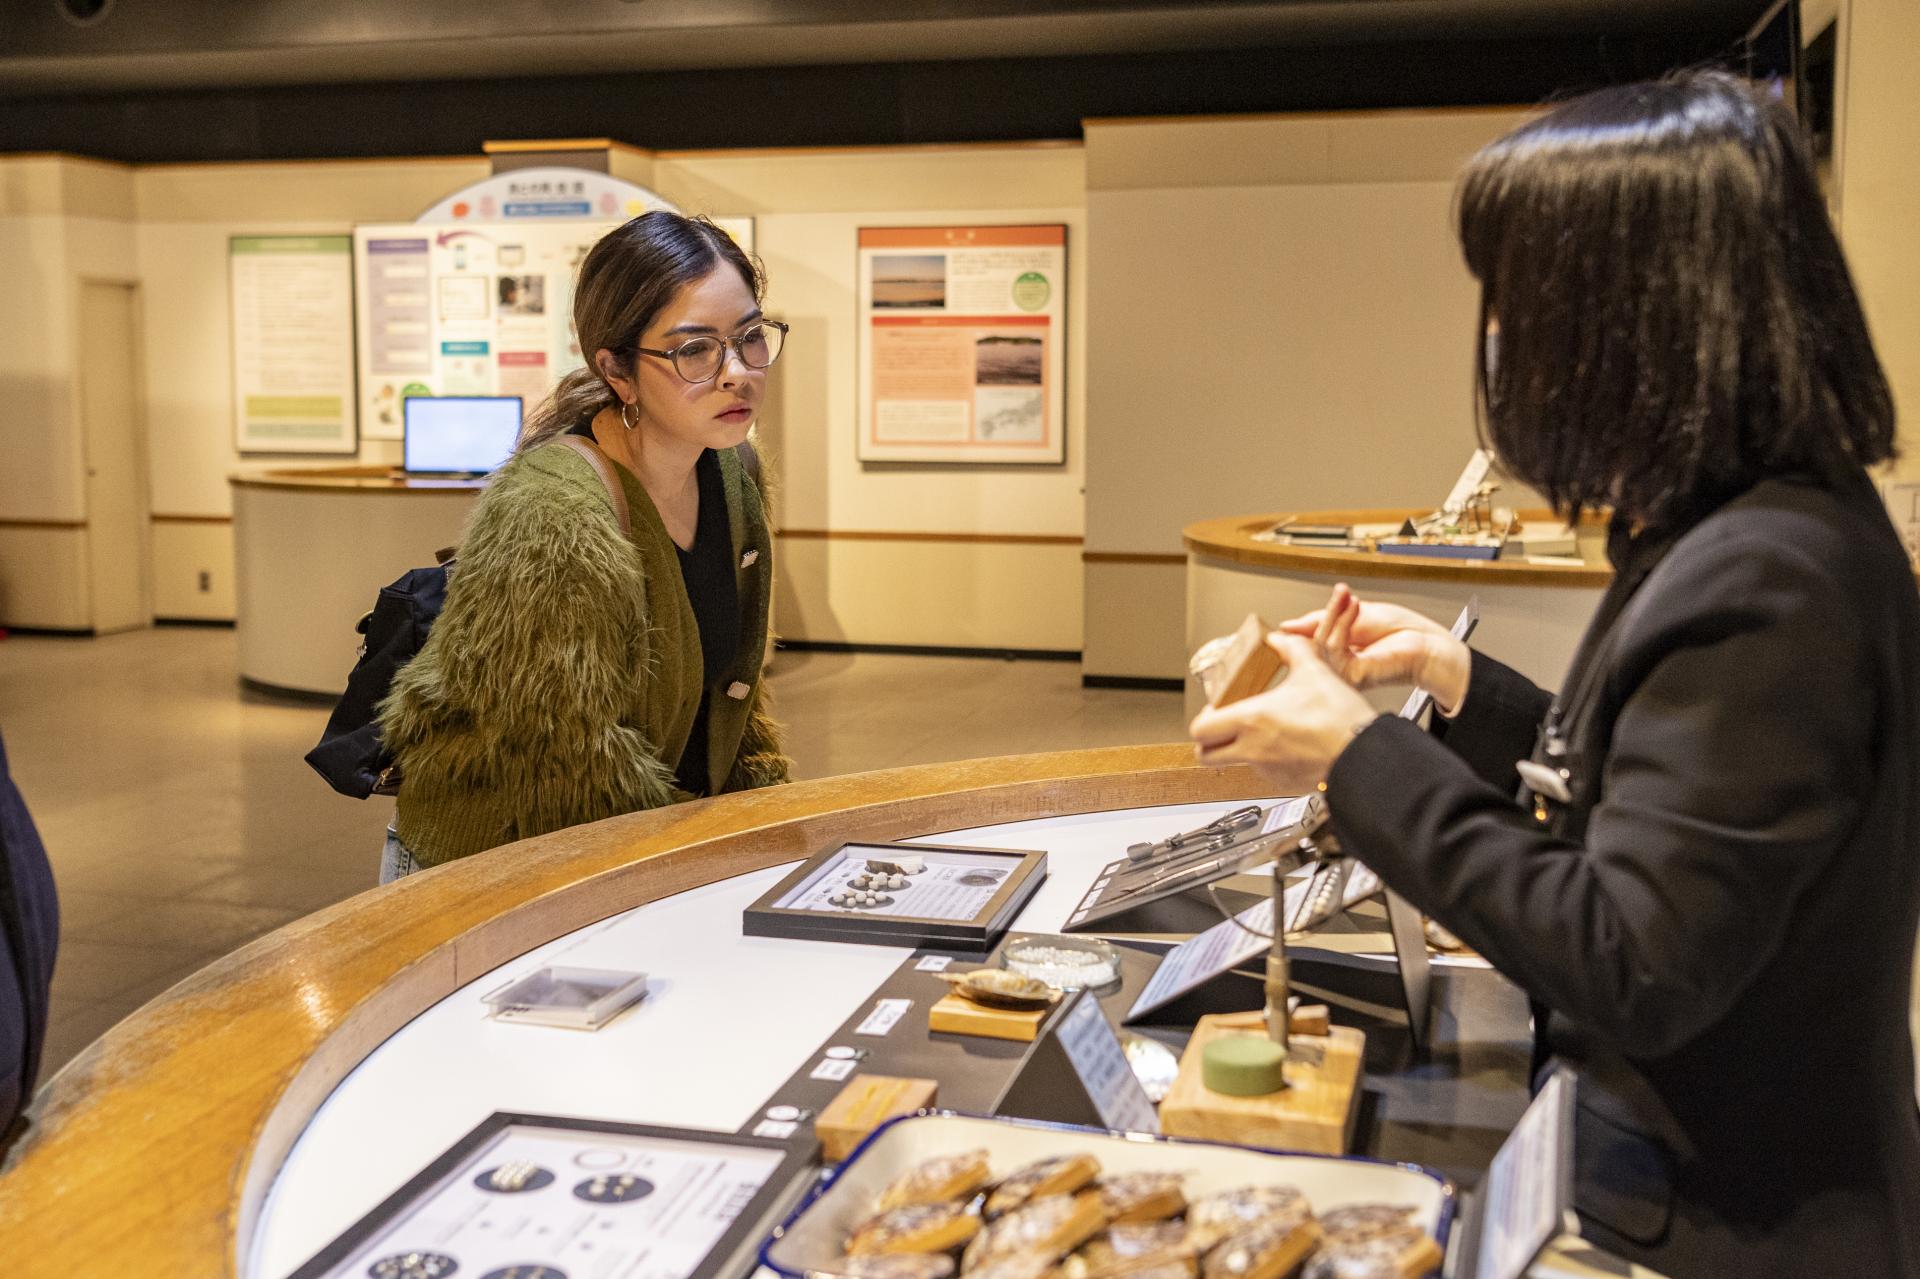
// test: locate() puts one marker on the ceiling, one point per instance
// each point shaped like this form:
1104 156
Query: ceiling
55 47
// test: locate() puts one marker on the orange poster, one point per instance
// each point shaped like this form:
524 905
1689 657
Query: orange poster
962 354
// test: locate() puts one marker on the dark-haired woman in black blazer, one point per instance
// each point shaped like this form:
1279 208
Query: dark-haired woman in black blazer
1710 882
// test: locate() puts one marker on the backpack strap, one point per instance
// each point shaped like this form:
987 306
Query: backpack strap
604 469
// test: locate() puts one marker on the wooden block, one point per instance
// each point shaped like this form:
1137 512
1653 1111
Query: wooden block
1302 1019
863 1105
1250 663
1314 1113
954 1015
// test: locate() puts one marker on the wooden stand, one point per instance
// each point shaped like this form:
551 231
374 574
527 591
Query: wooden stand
1314 1113
954 1015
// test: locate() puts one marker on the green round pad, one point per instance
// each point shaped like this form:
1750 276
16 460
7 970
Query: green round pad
1243 1066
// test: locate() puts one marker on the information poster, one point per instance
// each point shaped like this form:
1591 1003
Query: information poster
471 309
963 344
292 306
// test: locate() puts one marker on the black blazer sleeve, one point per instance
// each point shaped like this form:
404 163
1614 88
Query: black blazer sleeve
1741 709
1497 722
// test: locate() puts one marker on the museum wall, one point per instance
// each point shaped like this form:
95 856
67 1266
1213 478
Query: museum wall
1278 319
1879 189
61 221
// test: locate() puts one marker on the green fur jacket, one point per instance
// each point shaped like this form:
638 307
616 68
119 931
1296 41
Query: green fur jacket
561 679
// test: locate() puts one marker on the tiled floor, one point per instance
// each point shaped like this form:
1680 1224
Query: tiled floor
182 822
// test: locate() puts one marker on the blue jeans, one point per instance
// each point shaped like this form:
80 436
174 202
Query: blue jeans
395 860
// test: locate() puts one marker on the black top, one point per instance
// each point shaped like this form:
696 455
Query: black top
706 570
1719 922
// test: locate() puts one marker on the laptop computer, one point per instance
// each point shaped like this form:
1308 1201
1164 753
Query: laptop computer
457 435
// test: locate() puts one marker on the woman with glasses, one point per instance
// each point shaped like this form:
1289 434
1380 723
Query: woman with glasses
576 672
1701 859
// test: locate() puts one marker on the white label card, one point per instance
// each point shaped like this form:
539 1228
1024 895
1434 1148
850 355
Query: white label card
885 1016
1102 1066
933 964
835 1069
1527 1193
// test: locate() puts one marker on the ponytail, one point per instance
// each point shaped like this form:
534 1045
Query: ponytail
580 394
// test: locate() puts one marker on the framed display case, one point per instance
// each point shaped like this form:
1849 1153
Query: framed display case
534 1195
888 894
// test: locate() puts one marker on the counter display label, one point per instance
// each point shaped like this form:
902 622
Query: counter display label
885 1016
576 1197
1097 1058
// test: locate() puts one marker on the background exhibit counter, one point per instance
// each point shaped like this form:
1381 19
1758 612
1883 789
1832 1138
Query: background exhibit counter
314 547
1531 615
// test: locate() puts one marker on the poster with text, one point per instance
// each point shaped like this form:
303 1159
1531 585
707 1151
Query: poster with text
292 304
963 344
480 308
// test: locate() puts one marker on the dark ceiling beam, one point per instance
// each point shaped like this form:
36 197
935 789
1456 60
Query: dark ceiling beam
255 43
871 103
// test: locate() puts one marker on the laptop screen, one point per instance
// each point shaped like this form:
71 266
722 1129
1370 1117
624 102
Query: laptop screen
447 434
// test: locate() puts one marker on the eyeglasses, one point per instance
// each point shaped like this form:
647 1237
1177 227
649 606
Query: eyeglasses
701 359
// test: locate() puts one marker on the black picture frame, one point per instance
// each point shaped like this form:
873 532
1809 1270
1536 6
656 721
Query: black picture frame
790 1176
766 918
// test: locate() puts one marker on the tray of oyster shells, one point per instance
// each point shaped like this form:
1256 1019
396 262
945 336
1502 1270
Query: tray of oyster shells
947 1196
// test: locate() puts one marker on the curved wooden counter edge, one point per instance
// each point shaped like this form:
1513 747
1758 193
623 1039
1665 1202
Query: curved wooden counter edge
349 479
152 1152
1231 539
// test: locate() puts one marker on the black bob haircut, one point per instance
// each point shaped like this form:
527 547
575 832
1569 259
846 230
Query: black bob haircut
1675 318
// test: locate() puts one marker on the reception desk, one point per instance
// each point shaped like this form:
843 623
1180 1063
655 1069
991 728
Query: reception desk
312 549
1532 614
252 1112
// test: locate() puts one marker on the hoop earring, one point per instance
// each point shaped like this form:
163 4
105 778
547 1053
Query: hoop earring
633 425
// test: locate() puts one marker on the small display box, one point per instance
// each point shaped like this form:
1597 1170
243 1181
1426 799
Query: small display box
537 1195
901 895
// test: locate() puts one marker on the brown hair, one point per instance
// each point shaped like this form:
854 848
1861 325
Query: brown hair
627 277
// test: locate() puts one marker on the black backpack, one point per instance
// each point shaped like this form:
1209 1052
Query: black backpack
350 754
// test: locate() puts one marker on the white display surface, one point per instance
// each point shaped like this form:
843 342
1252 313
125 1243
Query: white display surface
726 1020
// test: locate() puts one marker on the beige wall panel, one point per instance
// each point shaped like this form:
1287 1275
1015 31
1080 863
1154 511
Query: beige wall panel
1136 620
1317 352
632 166
65 184
973 595
334 193
1880 192
95 189
43 578
1412 146
181 552
39 432
808 424
1387 146
807 181
1252 151
31 185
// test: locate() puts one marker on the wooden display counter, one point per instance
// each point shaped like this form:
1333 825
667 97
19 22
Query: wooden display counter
154 1151
312 548
1532 614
